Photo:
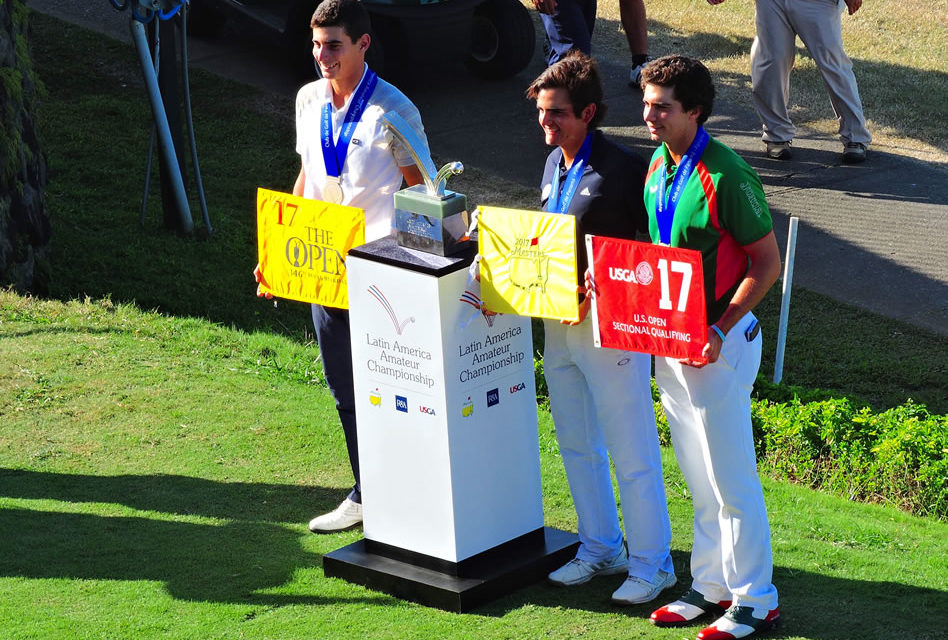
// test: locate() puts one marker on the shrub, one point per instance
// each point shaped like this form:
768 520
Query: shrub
543 392
899 456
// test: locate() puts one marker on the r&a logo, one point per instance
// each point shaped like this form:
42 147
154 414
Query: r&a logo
493 397
401 404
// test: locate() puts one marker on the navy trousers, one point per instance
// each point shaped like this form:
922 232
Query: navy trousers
569 27
335 345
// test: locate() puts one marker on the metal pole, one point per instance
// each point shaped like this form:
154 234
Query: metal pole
165 144
188 114
785 299
151 142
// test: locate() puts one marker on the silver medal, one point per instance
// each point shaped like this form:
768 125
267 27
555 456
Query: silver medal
332 190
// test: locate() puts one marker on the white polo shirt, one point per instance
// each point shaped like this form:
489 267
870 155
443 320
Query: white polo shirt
371 174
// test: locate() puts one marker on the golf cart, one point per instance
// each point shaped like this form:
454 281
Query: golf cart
495 39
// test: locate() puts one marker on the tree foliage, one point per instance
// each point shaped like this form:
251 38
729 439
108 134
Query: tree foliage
24 221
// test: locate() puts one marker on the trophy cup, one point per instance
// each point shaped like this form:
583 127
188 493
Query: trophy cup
427 217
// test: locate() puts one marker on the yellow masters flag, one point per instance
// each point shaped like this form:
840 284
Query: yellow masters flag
302 246
528 263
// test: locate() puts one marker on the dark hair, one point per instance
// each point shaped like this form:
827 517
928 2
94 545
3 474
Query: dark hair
579 75
689 79
348 14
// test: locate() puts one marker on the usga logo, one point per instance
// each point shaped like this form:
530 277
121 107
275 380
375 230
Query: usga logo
401 403
427 410
642 274
493 397
643 271
518 387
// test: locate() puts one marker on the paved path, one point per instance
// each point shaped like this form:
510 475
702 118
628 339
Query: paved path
875 236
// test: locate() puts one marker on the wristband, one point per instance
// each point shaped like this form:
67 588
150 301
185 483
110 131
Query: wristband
718 331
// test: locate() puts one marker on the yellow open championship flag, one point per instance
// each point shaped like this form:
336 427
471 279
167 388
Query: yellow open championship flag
528 263
302 246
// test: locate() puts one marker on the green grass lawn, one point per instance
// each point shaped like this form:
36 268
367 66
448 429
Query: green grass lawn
165 436
156 475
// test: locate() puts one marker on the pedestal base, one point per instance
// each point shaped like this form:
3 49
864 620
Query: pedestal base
495 572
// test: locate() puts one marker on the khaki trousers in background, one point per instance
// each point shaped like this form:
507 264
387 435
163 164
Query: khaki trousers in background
819 25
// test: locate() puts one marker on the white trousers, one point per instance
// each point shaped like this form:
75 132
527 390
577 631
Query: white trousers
708 411
602 406
818 23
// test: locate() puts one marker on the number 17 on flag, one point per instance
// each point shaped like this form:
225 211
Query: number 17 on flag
650 298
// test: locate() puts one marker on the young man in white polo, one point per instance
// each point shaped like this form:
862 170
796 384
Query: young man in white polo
348 156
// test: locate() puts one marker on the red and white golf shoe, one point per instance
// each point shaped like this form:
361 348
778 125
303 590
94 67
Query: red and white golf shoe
686 609
739 622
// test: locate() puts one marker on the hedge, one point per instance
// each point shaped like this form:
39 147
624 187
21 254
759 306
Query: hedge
898 456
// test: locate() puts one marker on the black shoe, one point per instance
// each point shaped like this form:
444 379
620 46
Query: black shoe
779 150
854 152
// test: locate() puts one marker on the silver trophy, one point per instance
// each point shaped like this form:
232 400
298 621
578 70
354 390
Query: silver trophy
427 217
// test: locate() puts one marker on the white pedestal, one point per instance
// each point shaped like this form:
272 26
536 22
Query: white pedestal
448 446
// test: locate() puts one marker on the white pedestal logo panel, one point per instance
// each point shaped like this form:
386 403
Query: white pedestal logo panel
447 422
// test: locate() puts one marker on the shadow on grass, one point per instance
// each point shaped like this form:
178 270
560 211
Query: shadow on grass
230 562
180 495
812 605
253 552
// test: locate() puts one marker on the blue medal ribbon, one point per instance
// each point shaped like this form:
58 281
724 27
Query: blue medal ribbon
559 202
665 205
334 155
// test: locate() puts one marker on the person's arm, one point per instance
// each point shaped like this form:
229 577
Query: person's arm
853 5
761 275
715 1
300 181
412 175
545 6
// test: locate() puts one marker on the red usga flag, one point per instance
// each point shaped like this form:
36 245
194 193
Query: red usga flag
650 298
